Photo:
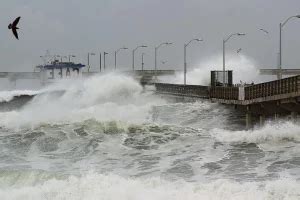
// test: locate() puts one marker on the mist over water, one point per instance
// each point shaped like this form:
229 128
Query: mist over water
244 68
107 137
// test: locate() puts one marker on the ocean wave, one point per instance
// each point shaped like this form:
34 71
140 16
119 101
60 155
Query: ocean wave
6 96
110 97
271 132
98 186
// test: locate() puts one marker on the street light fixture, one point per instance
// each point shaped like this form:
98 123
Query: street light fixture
92 54
185 64
123 48
224 41
133 51
281 25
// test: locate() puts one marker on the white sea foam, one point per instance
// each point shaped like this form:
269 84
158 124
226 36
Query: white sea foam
244 68
106 98
95 186
271 132
6 96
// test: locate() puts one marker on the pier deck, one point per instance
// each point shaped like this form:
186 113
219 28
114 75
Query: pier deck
274 98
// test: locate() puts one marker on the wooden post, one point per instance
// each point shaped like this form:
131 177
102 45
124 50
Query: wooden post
293 116
248 120
276 115
261 120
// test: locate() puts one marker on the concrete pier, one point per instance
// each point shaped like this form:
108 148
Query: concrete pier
274 99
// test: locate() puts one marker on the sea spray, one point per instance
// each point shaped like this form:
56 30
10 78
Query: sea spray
6 96
106 138
96 186
108 97
244 69
271 132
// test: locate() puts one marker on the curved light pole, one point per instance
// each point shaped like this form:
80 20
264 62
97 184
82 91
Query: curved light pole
281 25
155 56
185 64
143 61
104 63
224 41
123 48
88 59
133 51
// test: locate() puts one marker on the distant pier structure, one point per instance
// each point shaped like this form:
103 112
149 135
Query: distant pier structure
274 99
59 70
47 73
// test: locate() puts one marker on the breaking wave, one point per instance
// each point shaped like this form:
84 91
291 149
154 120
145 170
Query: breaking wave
104 98
95 186
6 96
271 132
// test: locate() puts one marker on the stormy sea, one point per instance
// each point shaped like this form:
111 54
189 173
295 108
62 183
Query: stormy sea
109 138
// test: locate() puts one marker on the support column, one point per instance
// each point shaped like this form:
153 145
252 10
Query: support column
276 116
293 116
261 120
248 120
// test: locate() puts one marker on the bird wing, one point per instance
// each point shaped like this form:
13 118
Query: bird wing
15 33
264 30
15 23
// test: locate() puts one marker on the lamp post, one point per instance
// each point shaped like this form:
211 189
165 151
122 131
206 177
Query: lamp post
88 59
104 54
185 64
73 56
155 55
281 25
100 61
123 48
143 61
133 51
224 41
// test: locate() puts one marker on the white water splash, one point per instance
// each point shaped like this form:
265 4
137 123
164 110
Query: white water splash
6 96
95 186
271 132
105 98
244 68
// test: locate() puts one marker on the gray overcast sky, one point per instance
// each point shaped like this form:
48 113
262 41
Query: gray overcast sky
81 26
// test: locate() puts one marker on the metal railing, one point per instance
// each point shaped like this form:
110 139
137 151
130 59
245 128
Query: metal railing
229 93
278 87
267 89
182 90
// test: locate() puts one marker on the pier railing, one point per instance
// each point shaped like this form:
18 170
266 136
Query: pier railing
229 93
182 90
278 87
268 89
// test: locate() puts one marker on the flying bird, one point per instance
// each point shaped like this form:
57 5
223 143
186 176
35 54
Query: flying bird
14 27
263 30
239 50
163 62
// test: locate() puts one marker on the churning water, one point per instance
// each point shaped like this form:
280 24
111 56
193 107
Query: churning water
108 138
